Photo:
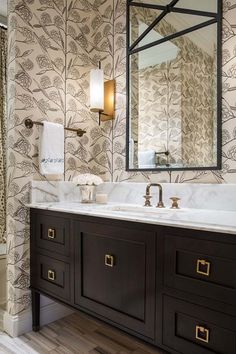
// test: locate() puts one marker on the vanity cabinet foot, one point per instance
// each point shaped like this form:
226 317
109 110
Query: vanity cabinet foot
35 310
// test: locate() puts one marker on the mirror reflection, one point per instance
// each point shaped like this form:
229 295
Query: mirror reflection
173 71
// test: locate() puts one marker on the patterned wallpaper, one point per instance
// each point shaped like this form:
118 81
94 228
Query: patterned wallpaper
198 115
51 50
36 90
3 91
89 39
160 129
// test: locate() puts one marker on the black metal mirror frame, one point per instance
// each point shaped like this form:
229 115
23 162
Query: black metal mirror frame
215 18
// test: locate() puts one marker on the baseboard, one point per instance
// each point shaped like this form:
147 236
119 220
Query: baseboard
16 325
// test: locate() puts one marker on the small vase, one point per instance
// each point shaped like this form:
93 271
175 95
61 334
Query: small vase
88 194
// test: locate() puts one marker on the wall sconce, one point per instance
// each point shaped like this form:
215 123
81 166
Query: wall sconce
102 95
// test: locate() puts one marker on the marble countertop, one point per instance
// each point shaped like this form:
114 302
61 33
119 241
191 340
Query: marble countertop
198 219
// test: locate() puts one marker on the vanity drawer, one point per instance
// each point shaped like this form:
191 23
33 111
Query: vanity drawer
189 328
203 267
52 233
117 271
51 276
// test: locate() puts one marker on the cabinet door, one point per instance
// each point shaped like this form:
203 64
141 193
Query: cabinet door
115 271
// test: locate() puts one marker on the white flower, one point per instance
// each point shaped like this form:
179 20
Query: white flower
87 179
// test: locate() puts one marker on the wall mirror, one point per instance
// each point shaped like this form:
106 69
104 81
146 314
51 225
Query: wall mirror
174 84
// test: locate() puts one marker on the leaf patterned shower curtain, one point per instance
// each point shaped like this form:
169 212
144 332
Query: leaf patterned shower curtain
3 91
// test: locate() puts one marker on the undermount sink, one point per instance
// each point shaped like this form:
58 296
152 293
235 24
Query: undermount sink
136 209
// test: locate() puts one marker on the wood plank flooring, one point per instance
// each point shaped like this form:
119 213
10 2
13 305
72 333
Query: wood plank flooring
75 334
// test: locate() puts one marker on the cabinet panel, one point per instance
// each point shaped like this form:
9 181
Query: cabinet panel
114 273
203 267
116 267
189 328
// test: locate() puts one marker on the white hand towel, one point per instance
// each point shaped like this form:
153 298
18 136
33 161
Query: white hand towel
51 149
146 159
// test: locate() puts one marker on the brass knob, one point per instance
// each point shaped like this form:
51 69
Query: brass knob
51 275
109 260
202 334
175 204
51 233
203 267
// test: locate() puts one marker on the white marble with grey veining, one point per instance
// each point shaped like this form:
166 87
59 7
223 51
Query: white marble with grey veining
196 196
203 206
199 219
54 191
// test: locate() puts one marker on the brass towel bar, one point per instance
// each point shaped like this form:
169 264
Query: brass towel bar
29 124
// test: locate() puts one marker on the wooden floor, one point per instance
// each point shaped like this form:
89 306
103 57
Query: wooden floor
75 334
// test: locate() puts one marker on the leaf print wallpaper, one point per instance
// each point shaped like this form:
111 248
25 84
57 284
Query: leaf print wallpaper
36 90
53 45
3 91
89 40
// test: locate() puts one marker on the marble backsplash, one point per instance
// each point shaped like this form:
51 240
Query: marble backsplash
197 196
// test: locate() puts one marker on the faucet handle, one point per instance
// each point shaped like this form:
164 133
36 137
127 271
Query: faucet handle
175 204
147 200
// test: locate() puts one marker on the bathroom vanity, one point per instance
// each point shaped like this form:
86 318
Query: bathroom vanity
170 283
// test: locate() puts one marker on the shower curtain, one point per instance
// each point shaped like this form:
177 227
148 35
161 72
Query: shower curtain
3 91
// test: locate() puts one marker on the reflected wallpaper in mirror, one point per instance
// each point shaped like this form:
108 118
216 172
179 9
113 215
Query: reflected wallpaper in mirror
173 111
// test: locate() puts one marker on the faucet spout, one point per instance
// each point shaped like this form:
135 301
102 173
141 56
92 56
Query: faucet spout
160 203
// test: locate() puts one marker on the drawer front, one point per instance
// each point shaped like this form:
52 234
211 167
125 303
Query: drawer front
117 272
206 268
189 328
51 276
53 234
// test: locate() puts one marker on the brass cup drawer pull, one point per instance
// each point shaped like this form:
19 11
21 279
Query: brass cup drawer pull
109 260
51 275
203 267
202 334
51 233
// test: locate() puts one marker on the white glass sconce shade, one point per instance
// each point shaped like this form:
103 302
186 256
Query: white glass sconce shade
96 90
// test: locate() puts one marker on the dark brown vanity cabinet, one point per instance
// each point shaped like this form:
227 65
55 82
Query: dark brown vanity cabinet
175 288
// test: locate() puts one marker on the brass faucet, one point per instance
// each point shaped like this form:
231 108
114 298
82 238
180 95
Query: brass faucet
148 196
